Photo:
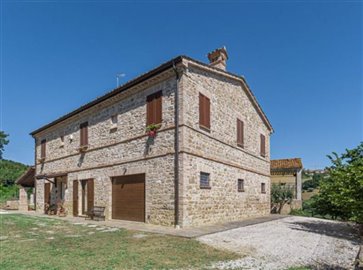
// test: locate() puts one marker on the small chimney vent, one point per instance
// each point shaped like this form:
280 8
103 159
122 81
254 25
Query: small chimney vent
218 58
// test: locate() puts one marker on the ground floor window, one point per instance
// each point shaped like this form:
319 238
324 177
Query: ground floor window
241 185
263 188
204 181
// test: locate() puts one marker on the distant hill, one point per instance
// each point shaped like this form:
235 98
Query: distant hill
10 171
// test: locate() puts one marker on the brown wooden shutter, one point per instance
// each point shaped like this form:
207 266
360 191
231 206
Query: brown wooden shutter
263 146
75 198
158 107
90 194
84 133
204 111
201 109
154 108
46 195
207 112
149 110
240 133
43 148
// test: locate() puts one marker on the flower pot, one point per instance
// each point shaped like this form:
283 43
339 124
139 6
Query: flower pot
152 133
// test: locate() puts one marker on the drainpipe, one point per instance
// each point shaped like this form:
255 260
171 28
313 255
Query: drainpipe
176 147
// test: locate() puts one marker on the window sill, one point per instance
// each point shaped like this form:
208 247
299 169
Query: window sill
113 129
240 145
204 128
205 187
241 190
263 192
41 159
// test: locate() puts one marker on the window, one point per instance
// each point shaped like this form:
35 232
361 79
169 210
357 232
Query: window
154 108
62 140
43 148
204 112
204 180
84 134
262 145
61 185
241 185
240 133
263 188
114 120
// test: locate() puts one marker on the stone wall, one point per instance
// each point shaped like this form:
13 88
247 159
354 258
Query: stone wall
126 151
216 152
111 152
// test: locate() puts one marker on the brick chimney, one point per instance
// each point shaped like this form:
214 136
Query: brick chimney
218 58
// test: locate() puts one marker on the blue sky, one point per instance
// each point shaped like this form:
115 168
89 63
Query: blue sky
303 61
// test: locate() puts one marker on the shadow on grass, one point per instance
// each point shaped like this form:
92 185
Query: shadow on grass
334 229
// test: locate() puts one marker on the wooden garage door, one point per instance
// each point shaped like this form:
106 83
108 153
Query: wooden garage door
128 197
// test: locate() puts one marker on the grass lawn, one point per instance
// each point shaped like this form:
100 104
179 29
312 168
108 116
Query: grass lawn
43 243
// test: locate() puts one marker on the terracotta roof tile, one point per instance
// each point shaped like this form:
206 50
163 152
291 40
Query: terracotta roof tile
286 164
27 178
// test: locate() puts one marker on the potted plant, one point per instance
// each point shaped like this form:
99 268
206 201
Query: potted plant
151 130
61 211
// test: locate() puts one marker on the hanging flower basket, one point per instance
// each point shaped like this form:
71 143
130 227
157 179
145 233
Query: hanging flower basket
152 129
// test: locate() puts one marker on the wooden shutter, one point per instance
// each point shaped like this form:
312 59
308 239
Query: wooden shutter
154 108
90 194
263 146
46 195
75 198
43 148
204 111
240 133
84 134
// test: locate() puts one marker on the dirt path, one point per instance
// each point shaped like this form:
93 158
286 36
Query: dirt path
289 242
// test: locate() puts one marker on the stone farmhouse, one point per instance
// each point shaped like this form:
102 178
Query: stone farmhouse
288 172
205 158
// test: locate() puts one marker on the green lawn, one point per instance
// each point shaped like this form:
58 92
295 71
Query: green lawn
42 243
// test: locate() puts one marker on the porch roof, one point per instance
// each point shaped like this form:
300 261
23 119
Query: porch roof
27 178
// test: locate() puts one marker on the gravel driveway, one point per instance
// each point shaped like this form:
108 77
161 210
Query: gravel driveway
289 242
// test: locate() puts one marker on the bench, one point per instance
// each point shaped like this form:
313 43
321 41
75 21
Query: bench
96 213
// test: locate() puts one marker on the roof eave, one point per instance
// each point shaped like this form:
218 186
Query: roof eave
113 92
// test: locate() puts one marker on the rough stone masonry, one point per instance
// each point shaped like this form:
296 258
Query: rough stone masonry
118 146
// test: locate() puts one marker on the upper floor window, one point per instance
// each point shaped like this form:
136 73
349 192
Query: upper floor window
84 134
62 140
154 108
204 111
43 148
263 188
240 133
204 180
262 145
241 185
114 121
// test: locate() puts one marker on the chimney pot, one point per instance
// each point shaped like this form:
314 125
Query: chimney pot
218 58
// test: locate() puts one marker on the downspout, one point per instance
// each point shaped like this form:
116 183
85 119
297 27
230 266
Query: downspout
176 148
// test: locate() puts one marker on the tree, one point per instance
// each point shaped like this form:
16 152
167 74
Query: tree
280 195
341 194
3 141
